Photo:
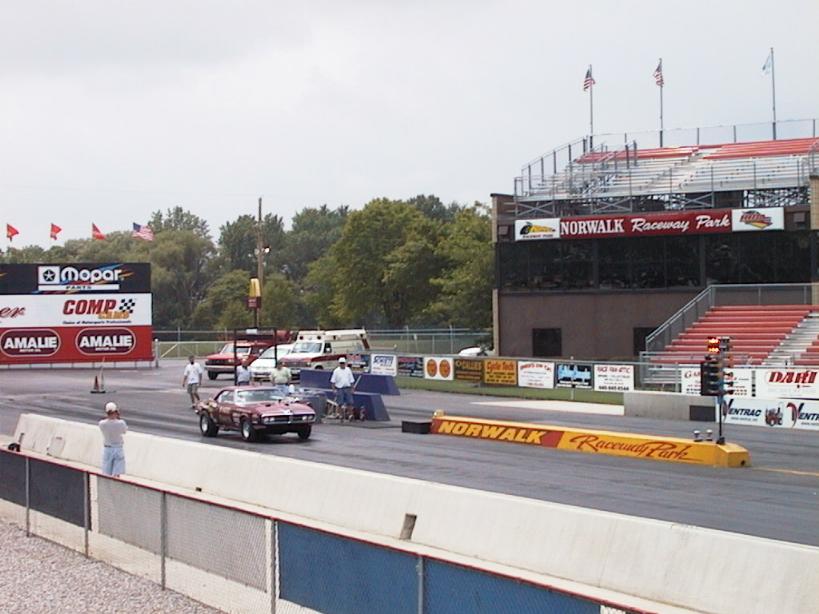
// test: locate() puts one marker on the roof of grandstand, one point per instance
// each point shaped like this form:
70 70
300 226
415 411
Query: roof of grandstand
592 176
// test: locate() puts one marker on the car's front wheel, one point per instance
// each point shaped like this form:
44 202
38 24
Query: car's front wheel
247 430
207 426
304 432
212 375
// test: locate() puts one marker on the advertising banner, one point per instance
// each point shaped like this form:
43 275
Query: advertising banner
782 383
358 362
75 344
543 228
438 367
469 370
690 379
536 374
671 223
774 413
614 378
754 220
574 375
83 277
83 312
410 366
500 372
384 364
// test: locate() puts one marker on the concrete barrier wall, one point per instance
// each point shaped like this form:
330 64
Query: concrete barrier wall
706 570
664 405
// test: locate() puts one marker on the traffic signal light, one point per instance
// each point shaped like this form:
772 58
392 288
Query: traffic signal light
710 375
713 345
728 381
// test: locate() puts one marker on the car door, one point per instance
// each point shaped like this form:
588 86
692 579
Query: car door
226 407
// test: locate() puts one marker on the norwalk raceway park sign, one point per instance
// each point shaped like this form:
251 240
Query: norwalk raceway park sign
79 312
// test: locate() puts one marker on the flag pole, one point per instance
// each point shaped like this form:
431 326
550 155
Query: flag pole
773 92
662 85
591 110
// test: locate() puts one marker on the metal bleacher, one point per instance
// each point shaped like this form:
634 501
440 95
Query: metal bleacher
629 177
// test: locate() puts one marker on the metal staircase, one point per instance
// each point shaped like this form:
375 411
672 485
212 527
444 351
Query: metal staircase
795 344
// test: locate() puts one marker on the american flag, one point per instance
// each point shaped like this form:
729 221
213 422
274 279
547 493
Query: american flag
658 75
589 80
142 232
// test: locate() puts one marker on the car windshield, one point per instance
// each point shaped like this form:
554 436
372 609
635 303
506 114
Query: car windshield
240 349
271 352
307 347
257 396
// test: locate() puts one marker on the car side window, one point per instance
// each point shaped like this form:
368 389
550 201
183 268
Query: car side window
328 348
226 397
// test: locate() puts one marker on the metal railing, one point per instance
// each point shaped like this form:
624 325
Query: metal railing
558 174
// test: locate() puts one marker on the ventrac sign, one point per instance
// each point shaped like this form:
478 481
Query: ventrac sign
669 223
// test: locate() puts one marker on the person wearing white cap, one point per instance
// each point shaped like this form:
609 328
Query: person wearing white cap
342 381
113 427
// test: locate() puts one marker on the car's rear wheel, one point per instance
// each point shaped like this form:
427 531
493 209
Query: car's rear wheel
207 426
304 432
247 430
212 375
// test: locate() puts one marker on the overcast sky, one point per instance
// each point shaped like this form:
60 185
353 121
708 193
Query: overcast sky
113 109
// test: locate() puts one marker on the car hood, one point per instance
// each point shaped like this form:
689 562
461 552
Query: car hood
264 363
278 408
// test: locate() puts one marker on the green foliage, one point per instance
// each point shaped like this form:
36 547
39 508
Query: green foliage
178 218
238 240
313 232
465 283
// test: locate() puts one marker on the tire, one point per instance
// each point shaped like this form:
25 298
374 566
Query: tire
212 375
207 426
319 368
304 432
247 431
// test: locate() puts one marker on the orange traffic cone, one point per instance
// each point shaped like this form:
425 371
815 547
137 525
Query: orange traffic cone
98 389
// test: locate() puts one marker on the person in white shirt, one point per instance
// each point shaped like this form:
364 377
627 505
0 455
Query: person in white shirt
192 378
113 427
342 381
280 375
243 373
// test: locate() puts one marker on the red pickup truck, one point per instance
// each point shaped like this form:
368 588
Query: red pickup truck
226 361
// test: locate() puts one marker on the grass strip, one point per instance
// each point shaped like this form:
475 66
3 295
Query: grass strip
553 394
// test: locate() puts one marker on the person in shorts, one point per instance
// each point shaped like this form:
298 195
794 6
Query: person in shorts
192 379
113 427
342 381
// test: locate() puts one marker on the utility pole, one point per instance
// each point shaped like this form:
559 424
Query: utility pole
259 260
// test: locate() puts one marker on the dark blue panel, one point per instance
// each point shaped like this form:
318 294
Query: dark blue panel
57 491
13 477
315 378
342 576
373 405
383 384
450 589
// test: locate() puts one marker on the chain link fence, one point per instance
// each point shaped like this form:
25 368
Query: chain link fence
240 561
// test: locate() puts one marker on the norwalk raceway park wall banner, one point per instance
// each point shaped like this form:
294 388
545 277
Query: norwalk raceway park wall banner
79 312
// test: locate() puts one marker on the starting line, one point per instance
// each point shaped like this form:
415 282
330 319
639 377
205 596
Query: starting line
611 443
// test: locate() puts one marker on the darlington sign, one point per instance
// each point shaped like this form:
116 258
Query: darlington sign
670 223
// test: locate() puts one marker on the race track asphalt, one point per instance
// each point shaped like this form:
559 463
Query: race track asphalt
777 498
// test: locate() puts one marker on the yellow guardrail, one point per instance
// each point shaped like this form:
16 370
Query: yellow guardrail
611 443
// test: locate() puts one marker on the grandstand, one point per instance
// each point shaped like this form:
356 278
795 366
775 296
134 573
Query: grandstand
606 238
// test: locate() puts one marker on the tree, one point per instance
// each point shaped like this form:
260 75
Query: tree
465 284
178 218
227 289
383 263
432 207
281 303
313 232
180 275
237 242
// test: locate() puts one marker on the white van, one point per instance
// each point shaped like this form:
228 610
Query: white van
262 367
321 349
